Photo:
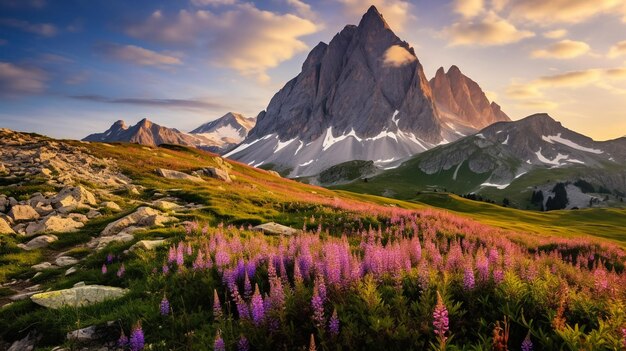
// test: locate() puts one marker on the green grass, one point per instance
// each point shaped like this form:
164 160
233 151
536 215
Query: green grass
608 223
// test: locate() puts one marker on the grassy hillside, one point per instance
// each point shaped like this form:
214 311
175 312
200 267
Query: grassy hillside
368 272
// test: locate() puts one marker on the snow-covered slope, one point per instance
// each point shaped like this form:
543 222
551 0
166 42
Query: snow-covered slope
225 132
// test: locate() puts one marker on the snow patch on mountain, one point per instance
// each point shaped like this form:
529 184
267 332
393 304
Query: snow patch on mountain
558 139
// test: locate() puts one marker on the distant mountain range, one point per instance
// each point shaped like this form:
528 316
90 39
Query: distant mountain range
513 160
218 136
363 96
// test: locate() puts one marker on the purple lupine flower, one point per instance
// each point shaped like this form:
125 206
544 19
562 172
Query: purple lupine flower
136 340
256 306
198 264
333 324
122 342
440 319
243 344
217 306
219 344
121 271
180 256
297 275
166 269
104 268
498 276
165 306
527 344
110 258
320 286
247 287
468 278
318 309
171 256
624 337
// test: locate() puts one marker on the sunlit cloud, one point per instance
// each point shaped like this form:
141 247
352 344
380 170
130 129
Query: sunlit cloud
564 49
42 29
397 12
138 55
468 8
397 56
17 81
555 34
244 38
619 49
544 12
302 8
537 105
489 31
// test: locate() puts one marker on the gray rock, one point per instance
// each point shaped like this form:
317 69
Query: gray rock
71 271
122 237
165 205
82 335
26 344
42 266
217 173
73 196
272 228
64 261
23 213
78 296
144 216
93 214
170 174
38 242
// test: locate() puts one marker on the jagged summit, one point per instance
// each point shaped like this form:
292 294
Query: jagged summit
460 98
225 132
373 19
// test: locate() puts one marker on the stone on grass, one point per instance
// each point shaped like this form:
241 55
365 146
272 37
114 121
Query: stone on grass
144 216
5 228
110 205
38 242
165 205
272 228
53 224
72 197
65 261
42 266
78 296
217 173
170 174
147 245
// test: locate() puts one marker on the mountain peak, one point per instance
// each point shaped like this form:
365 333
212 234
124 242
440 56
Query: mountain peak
145 123
373 18
120 124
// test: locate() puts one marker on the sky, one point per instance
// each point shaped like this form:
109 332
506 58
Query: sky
69 68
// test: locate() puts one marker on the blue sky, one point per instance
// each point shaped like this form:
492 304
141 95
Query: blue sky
72 67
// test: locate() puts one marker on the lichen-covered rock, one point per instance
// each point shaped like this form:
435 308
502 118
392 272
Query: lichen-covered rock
170 174
23 213
53 224
217 173
78 296
165 205
272 228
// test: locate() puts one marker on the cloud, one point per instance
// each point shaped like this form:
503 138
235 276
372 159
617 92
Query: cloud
138 55
243 38
618 49
555 34
397 56
538 105
302 8
187 104
562 11
598 77
468 8
43 29
213 2
17 81
488 31
396 12
564 49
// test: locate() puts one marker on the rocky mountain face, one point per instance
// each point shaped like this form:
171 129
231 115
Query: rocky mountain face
225 132
363 96
146 133
461 100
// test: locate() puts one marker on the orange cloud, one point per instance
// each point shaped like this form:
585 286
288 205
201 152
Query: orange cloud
490 30
397 56
564 49
396 12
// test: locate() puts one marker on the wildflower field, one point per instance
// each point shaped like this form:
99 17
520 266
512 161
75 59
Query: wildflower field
364 273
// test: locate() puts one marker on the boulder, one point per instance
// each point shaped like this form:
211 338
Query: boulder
165 205
221 163
78 296
72 197
143 217
5 228
110 205
23 213
272 228
82 335
26 344
217 173
274 173
42 266
38 242
93 214
147 245
4 202
71 271
170 174
53 224
122 237
65 261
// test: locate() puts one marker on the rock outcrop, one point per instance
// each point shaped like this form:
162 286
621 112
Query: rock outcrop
78 296
170 174
143 217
